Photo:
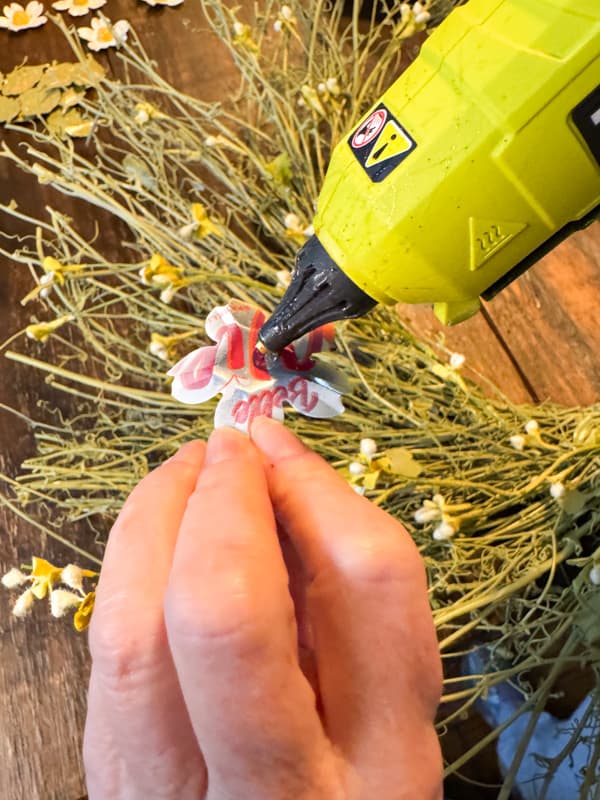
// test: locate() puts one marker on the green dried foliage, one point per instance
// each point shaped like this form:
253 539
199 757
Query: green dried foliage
506 577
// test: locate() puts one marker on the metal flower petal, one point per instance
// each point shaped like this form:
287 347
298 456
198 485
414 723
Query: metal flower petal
249 384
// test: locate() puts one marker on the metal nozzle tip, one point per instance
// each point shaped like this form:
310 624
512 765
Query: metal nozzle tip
318 293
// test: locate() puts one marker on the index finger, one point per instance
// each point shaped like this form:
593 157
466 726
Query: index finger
230 622
375 646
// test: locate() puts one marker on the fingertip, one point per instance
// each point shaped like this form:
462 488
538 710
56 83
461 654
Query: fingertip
226 444
191 453
274 440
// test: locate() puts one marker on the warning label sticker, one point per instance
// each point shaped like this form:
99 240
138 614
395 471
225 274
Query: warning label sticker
380 143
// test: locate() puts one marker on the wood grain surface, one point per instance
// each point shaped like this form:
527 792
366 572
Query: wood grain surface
539 340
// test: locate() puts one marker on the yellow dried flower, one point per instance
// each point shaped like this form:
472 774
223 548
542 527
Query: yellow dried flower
280 169
243 37
40 331
54 272
310 96
205 225
158 272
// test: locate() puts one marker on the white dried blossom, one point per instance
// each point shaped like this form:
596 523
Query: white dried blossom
284 277
557 490
517 441
309 231
531 426
277 26
422 16
158 349
368 448
239 28
457 360
211 141
333 86
13 578
594 575
445 530
72 576
186 232
141 116
62 601
291 221
168 294
286 13
356 468
425 514
321 88
24 604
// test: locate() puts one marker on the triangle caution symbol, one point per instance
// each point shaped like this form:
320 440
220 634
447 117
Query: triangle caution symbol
488 236
392 141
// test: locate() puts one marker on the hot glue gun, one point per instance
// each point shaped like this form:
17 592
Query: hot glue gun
477 161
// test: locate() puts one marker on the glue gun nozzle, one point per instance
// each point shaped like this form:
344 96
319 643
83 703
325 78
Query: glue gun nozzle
318 293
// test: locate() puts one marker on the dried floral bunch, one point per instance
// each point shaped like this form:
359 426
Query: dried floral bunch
503 501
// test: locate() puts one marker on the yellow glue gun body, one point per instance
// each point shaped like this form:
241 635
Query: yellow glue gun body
476 161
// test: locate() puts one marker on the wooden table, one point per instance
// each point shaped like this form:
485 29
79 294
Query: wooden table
537 341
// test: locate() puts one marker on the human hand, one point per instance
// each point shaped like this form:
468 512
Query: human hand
230 664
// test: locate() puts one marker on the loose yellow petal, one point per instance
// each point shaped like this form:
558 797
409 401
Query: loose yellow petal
83 614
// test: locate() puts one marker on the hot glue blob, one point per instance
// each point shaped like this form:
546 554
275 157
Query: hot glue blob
251 385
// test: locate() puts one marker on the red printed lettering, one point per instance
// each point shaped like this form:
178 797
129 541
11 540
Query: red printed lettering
298 393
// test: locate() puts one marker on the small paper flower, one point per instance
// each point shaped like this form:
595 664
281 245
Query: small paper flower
103 33
163 2
15 17
594 575
517 441
249 385
78 8
557 490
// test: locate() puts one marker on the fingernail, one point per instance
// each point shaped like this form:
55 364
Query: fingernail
275 440
225 444
189 453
